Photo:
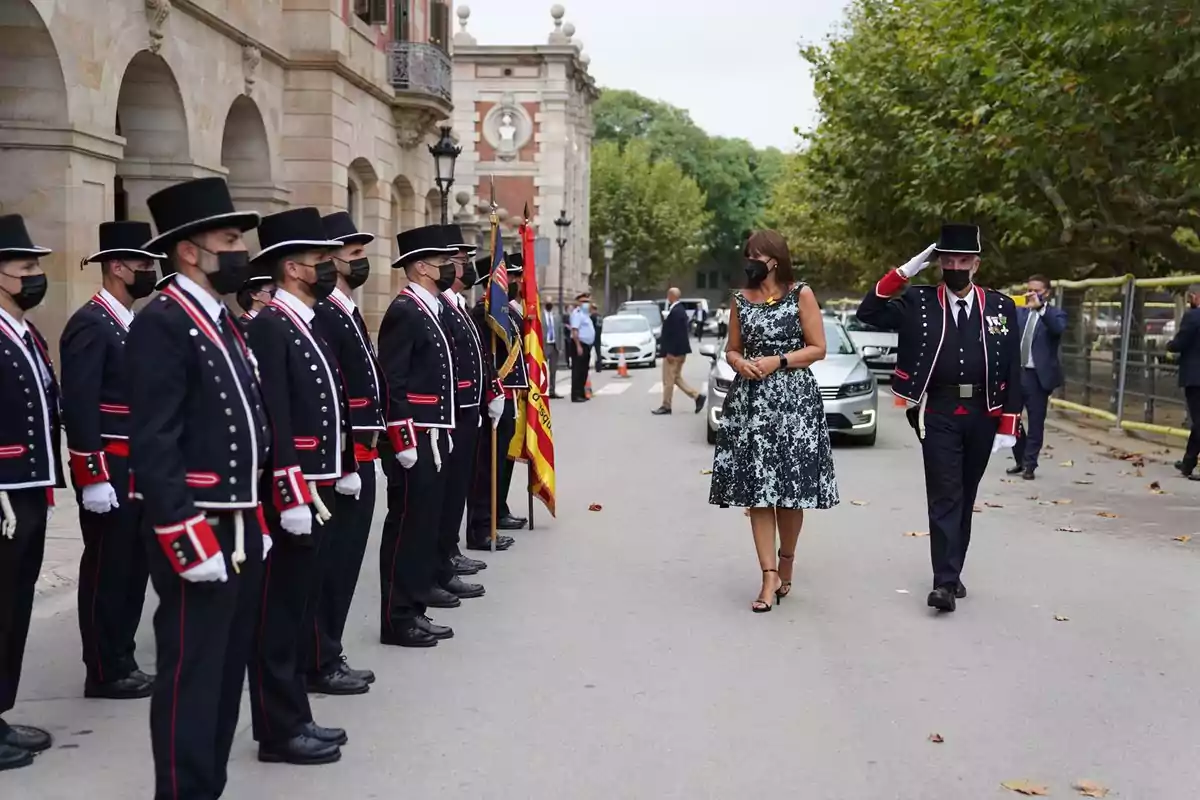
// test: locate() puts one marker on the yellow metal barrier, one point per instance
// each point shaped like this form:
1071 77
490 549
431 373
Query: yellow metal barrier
1160 429
1082 409
1163 430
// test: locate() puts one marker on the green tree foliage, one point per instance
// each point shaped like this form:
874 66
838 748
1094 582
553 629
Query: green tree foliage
1068 130
654 213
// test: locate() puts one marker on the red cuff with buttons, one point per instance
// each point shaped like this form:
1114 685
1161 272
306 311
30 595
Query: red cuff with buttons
189 543
289 488
495 389
890 284
402 435
1008 424
88 468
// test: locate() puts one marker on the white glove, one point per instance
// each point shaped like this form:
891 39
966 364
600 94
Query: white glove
496 409
100 498
350 485
268 543
297 521
917 262
1003 441
211 570
407 458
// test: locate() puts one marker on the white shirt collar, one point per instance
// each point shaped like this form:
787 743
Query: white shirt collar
251 314
295 305
123 313
17 325
211 305
344 300
953 299
425 296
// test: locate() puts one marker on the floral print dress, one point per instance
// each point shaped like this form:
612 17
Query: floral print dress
773 446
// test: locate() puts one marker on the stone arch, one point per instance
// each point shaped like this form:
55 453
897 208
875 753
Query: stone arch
246 155
433 207
406 215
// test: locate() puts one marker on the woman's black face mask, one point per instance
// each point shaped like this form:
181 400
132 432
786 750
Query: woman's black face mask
756 272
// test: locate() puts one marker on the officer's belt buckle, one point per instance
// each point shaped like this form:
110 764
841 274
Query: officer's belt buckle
966 390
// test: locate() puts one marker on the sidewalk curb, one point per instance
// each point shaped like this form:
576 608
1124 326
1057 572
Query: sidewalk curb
1150 451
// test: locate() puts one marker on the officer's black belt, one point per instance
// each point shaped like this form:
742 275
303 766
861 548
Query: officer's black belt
962 391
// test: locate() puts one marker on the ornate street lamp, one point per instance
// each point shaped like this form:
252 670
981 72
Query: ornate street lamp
444 153
609 249
562 223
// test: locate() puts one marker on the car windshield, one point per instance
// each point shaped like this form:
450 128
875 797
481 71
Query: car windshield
853 323
648 311
626 323
836 340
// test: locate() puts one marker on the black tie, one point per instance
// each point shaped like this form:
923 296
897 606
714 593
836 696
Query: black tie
36 354
961 319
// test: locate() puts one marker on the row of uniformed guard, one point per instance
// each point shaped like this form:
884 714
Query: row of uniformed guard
197 444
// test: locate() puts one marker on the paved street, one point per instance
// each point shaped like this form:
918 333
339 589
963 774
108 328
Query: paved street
615 655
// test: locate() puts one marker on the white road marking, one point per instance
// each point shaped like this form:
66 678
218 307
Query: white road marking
613 388
656 388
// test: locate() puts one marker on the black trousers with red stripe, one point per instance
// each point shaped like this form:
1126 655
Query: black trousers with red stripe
112 581
203 632
291 590
20 565
342 557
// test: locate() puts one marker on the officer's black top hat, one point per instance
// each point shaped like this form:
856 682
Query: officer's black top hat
15 241
291 231
959 238
413 244
514 265
194 207
125 239
340 228
453 236
253 284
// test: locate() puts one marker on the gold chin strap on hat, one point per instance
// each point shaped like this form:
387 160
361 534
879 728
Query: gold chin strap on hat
323 514
239 542
8 528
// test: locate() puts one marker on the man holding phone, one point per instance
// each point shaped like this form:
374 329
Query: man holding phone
1042 327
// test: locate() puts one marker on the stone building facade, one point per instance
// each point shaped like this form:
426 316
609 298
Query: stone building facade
295 102
523 117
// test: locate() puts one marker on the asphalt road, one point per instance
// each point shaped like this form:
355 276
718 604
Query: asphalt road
615 655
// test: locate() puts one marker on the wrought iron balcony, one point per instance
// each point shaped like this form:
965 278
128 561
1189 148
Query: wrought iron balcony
421 68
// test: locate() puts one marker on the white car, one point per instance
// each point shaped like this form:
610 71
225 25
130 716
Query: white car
628 335
878 347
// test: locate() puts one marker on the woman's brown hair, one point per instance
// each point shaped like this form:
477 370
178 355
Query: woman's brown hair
772 245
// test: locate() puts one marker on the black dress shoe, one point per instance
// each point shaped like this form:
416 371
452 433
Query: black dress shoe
364 675
332 735
1028 474
960 591
27 737
941 598
300 749
127 688
1017 470
336 682
700 401
473 563
661 411
510 523
437 597
433 629
462 568
409 636
1184 468
502 543
460 588
14 757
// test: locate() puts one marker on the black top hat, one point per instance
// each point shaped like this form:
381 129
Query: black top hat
959 238
15 241
453 236
512 266
420 242
291 231
256 282
123 240
340 228
194 207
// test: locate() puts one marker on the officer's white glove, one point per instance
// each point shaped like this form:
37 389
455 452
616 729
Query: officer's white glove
100 498
496 409
407 458
268 543
297 521
917 262
211 570
350 485
1003 441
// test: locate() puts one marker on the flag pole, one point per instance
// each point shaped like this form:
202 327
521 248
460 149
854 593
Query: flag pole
495 467
529 487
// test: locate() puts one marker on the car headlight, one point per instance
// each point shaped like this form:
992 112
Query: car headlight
871 352
723 385
857 388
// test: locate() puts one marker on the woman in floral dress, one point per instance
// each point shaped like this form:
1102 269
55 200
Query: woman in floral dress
773 455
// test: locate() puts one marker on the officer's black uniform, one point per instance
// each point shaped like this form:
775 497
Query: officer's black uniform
342 327
29 472
199 445
312 449
965 379
252 284
418 365
95 406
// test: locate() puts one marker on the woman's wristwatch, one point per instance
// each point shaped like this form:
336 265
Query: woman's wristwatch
783 362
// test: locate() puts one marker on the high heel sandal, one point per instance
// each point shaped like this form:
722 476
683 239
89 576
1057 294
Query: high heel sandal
785 587
762 606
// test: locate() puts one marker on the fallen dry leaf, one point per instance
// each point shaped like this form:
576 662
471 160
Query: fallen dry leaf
1061 618
993 505
1067 463
595 507
706 472
1090 473
1026 788
1063 502
1107 514
977 509
1185 538
1085 483
1069 529
1032 497
916 533
858 502
1007 480
1090 789
936 738
1138 472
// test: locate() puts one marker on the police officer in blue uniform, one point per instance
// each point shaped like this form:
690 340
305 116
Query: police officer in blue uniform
95 405
197 450
29 469
958 366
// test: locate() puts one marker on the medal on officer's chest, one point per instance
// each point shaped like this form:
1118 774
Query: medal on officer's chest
998 326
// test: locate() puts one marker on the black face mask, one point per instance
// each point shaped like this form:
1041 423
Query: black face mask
143 284
756 272
469 275
233 267
33 290
956 279
445 278
326 280
360 268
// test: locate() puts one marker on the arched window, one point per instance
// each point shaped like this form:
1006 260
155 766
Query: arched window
352 201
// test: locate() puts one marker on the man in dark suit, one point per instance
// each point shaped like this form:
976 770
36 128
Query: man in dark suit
675 349
1042 328
1187 344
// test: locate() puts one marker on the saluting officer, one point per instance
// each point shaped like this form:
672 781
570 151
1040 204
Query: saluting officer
29 469
254 296
313 458
418 365
95 405
200 441
959 367
339 322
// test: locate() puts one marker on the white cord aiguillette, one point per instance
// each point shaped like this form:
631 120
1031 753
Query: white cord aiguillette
323 514
239 542
8 528
437 456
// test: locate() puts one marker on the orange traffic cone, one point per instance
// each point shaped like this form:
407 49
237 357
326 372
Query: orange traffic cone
587 389
622 367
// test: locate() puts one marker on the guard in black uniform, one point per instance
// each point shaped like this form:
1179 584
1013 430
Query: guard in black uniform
312 460
418 365
959 367
255 295
95 407
29 469
196 453
342 327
